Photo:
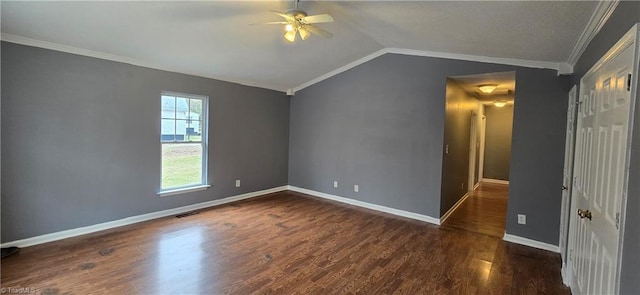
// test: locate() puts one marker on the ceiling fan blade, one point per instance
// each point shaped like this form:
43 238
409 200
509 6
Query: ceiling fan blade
319 18
318 31
290 36
286 16
304 34
271 23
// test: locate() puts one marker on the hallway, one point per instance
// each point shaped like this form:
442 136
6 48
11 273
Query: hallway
483 212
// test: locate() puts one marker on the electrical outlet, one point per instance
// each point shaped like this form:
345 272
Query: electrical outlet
462 185
522 219
446 149
237 182
335 184
356 188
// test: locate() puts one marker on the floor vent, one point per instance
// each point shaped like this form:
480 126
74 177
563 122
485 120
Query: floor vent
187 214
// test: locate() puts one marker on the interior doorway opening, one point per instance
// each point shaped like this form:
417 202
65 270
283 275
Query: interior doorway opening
477 152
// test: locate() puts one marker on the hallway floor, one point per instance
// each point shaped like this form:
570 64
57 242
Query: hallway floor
484 211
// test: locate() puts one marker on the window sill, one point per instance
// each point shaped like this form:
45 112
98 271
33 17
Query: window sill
183 190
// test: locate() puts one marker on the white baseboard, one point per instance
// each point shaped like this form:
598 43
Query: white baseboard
453 208
362 204
531 243
499 181
134 219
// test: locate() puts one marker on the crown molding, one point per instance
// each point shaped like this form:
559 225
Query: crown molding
565 69
341 69
562 67
478 58
118 58
598 19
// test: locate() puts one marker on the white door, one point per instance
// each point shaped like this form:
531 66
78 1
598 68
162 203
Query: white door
473 146
600 171
567 175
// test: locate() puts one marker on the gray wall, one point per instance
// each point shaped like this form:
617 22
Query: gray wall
537 155
624 17
0 143
459 107
381 125
84 140
497 151
377 126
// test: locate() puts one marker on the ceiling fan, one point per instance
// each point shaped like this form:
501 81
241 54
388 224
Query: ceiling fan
299 22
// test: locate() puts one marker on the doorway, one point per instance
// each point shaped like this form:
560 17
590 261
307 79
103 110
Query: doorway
477 149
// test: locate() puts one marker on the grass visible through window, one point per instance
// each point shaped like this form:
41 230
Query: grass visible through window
181 165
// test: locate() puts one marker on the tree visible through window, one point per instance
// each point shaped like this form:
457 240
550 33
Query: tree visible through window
183 138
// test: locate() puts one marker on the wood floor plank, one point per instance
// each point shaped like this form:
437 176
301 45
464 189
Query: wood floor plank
284 243
484 211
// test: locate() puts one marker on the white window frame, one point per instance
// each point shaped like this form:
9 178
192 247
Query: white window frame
204 126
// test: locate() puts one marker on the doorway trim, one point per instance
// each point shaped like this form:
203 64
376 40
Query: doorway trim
567 182
473 149
483 130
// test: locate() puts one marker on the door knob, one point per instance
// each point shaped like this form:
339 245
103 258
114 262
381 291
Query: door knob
564 188
584 214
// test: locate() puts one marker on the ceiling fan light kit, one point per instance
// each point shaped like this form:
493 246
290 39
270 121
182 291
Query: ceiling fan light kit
304 34
290 36
298 22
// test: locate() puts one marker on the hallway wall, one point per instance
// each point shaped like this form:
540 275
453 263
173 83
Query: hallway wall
497 153
457 133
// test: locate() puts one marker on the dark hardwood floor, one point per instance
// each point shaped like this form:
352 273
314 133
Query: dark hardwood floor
484 211
284 243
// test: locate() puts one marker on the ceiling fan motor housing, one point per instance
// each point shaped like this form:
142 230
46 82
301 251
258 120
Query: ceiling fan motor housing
299 15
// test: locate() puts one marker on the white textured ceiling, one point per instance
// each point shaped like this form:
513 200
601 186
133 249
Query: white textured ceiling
214 39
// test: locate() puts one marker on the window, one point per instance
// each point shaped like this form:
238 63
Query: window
183 136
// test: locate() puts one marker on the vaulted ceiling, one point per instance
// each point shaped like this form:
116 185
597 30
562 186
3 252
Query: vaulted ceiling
215 39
